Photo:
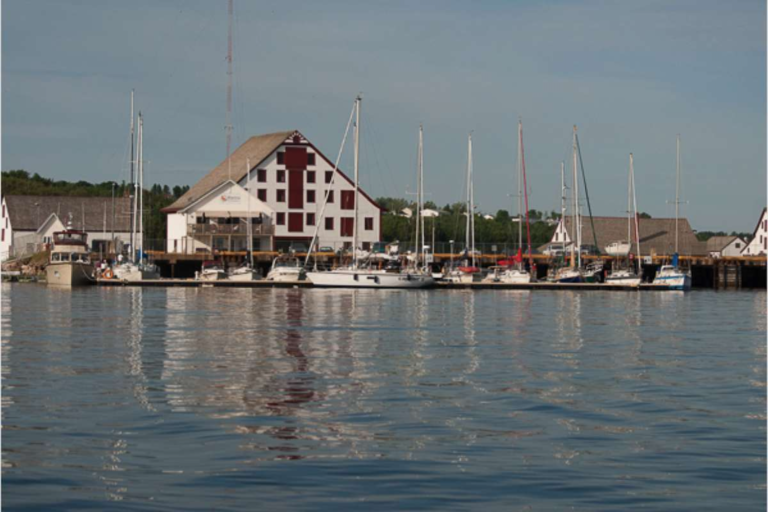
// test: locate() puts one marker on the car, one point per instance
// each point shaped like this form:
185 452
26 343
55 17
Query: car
298 247
325 248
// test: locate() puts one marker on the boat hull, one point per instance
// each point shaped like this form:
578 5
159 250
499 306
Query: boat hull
622 281
286 274
515 277
244 277
369 279
136 274
677 281
69 274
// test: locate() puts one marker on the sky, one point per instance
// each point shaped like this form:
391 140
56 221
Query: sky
630 74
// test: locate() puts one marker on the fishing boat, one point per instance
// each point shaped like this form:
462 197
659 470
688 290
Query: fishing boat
672 276
627 276
361 273
286 268
468 271
69 263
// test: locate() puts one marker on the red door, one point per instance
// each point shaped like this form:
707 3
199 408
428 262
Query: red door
347 226
295 222
295 189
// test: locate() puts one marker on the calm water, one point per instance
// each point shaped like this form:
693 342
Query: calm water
187 399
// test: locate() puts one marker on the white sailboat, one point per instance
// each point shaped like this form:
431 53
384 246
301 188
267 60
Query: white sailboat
627 276
247 272
573 273
137 269
358 274
672 275
518 274
468 272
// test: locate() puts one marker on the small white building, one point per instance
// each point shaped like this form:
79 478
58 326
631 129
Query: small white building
759 243
28 222
725 246
287 178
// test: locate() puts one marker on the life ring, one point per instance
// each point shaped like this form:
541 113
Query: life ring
108 274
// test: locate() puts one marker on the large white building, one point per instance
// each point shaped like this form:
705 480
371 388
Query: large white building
759 243
286 178
27 223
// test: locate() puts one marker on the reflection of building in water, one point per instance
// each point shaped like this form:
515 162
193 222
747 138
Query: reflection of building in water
277 364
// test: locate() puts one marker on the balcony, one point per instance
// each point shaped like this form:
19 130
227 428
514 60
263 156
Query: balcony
229 229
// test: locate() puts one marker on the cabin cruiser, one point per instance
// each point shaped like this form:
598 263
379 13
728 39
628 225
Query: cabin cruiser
211 271
69 263
244 273
286 269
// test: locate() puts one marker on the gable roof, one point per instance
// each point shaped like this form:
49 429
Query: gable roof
757 227
255 149
28 213
718 243
655 234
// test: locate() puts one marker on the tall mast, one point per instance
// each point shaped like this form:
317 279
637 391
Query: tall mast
421 187
140 192
629 204
677 193
471 199
525 191
575 196
228 128
469 187
249 219
357 179
132 188
637 218
563 201
418 197
519 186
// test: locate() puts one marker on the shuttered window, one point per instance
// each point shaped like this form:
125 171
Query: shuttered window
347 199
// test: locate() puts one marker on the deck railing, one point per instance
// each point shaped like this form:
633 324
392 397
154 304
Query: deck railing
229 229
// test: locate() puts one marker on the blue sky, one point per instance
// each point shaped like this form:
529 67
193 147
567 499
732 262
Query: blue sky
631 75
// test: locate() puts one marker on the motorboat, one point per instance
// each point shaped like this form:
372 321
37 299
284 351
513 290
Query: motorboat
286 269
69 263
673 278
211 271
244 273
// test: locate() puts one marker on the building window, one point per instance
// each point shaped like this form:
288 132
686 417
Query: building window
330 196
329 223
280 196
262 194
280 219
3 210
328 176
281 176
310 159
310 196
347 226
280 158
3 235
261 175
738 245
369 223
310 176
347 199
295 224
310 219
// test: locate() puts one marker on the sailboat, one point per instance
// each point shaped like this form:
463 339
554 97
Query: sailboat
361 274
518 274
468 271
573 273
672 275
420 265
247 272
627 276
137 269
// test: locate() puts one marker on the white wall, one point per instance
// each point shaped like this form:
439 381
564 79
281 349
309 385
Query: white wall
759 244
6 236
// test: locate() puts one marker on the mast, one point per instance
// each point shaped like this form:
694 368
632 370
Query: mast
525 191
469 186
132 188
471 193
140 192
249 231
563 202
575 199
228 127
637 218
677 194
418 196
421 192
357 179
629 207
519 188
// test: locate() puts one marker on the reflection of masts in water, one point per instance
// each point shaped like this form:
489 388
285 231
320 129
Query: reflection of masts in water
136 345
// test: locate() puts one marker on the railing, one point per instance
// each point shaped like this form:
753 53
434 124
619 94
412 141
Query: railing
229 229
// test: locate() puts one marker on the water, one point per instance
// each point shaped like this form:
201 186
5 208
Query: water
278 399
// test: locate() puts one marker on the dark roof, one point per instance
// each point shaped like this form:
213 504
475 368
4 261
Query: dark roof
718 243
656 235
255 149
28 213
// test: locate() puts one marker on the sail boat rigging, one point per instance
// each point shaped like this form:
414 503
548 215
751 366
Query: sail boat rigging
467 272
628 276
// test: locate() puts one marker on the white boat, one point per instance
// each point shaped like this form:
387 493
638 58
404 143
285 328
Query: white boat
627 276
568 275
573 272
244 273
286 269
132 272
515 276
69 263
358 275
211 271
673 276
618 249
462 275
